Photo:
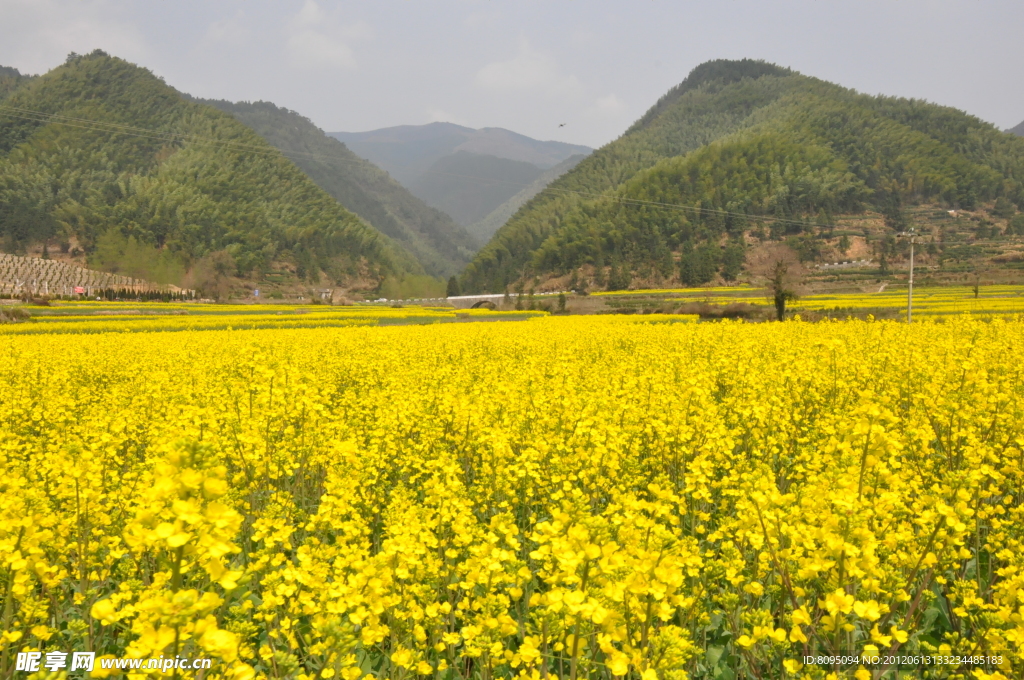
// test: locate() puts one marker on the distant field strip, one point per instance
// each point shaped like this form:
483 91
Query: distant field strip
932 301
93 317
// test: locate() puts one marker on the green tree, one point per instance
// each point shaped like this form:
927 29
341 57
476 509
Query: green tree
1016 226
453 288
1004 208
844 244
732 260
780 271
892 211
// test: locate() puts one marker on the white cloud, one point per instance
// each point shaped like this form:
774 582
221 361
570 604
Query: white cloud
316 39
529 70
231 31
312 49
36 35
610 104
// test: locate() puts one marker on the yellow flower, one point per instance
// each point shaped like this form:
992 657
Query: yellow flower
837 602
877 636
402 657
867 610
464 495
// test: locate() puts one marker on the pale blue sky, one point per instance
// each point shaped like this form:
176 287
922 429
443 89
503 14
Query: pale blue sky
527 65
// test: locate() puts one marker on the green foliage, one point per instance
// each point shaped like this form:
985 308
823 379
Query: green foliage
732 260
892 212
749 138
844 244
1004 208
1016 227
211 275
125 255
962 253
618 276
411 286
453 287
13 315
442 247
10 80
203 183
698 265
24 216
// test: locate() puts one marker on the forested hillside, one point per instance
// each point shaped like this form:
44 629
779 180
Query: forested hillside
442 247
100 157
747 138
10 79
1018 130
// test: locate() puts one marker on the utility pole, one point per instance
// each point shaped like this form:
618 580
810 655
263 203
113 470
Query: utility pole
910 283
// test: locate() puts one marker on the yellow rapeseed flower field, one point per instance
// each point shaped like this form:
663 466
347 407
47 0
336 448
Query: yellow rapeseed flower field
579 497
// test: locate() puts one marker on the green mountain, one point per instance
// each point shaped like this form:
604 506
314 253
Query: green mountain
441 246
101 156
468 186
486 227
679 195
1019 130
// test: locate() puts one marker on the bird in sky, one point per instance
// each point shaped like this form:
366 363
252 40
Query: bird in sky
561 125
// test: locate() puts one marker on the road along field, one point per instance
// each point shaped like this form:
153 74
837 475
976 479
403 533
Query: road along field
600 497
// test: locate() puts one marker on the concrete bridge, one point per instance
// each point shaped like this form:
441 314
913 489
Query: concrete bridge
487 301
490 301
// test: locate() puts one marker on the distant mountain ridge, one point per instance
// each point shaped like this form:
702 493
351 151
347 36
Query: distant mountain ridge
486 227
1019 130
468 186
442 247
407 151
465 172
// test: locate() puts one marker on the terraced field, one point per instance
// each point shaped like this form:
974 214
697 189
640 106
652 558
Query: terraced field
35 276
